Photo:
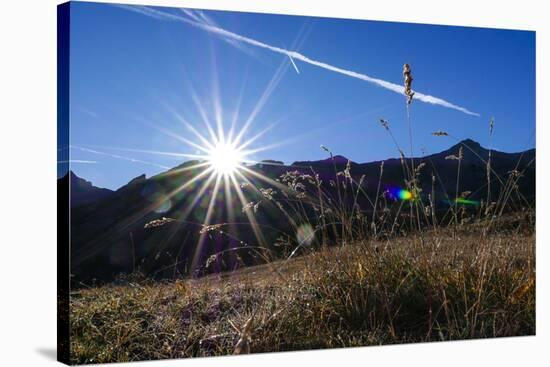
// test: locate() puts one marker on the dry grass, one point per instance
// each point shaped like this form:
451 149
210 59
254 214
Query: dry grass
407 290
393 272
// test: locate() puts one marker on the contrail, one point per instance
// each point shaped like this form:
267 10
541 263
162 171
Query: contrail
199 17
294 64
118 157
157 14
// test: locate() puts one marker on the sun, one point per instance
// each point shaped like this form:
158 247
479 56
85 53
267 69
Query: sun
225 158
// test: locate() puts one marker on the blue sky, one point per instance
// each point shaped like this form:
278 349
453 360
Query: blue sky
132 73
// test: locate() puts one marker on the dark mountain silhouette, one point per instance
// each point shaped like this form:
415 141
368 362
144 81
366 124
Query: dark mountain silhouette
337 160
83 192
110 236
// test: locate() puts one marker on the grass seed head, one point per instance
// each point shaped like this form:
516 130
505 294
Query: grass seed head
158 222
407 76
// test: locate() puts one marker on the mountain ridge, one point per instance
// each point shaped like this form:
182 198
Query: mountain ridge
470 146
109 233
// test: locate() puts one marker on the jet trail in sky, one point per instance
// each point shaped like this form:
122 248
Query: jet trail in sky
294 64
293 55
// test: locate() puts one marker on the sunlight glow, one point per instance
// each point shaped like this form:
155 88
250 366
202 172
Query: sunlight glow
225 158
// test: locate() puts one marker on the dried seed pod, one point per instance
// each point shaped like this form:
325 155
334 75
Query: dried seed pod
243 344
407 76
158 222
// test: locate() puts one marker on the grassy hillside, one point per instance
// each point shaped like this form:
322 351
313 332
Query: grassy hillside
345 260
334 197
444 284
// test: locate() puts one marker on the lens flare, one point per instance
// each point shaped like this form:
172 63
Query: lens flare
165 206
405 195
400 194
305 234
467 202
